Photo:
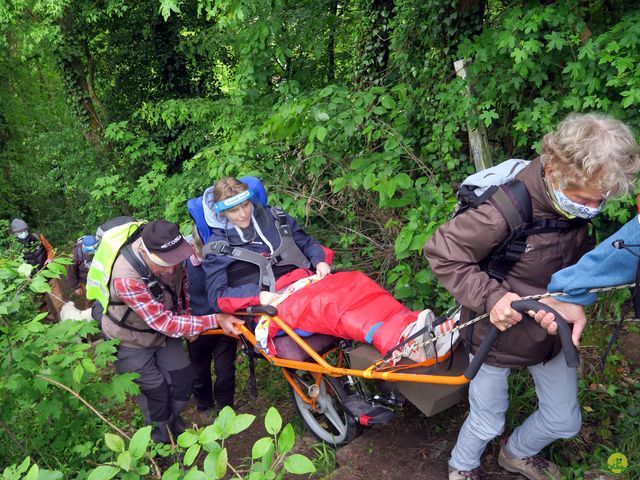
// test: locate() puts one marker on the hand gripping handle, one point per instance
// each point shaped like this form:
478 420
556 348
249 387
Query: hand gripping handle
564 330
523 306
268 310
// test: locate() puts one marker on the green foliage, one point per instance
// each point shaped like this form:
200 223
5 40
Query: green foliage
203 455
350 113
38 359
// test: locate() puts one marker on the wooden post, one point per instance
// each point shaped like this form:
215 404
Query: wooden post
478 141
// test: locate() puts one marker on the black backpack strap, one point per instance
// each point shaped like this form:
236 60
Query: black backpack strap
514 203
152 283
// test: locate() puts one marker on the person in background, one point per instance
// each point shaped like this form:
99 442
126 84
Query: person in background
219 348
587 160
77 271
36 249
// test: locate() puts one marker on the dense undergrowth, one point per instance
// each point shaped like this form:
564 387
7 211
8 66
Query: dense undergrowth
350 112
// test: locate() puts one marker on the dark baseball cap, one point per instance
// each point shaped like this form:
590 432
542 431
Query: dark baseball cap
165 244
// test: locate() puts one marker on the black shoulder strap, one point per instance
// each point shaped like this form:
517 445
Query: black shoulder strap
152 283
513 202
219 247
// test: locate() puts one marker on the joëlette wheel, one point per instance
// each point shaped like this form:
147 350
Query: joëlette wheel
329 423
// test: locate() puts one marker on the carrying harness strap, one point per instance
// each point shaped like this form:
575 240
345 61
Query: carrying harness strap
153 284
513 202
287 253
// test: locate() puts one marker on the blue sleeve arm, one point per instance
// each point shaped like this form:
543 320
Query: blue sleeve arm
311 247
605 266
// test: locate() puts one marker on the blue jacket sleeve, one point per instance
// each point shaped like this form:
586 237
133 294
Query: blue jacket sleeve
605 266
309 245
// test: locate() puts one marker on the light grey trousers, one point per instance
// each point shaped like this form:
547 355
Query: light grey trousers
557 416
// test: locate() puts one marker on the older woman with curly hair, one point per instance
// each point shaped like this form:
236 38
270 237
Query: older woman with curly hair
588 159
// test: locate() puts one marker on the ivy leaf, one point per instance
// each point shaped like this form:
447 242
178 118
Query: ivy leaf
140 441
518 54
103 472
488 116
115 443
168 6
298 464
286 440
260 447
273 421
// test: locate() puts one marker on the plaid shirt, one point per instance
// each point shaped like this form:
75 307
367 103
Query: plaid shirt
136 295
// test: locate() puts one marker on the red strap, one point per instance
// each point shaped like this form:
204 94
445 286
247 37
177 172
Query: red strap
364 420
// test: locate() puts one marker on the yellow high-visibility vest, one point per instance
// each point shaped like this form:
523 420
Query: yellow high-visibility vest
108 249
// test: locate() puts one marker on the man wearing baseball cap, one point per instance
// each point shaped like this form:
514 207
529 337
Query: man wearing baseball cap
148 312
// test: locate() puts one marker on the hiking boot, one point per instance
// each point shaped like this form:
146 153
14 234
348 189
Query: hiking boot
475 474
179 425
160 433
533 468
206 416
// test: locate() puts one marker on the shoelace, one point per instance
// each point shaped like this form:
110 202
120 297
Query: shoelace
475 474
538 463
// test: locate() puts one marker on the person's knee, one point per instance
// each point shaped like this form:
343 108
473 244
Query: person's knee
182 382
485 425
157 402
563 422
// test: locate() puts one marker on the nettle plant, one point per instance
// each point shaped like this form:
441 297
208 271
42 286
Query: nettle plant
203 455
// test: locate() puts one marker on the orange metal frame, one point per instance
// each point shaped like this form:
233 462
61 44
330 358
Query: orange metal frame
320 365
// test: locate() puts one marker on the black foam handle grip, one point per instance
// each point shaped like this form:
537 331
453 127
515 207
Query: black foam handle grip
481 353
269 310
564 331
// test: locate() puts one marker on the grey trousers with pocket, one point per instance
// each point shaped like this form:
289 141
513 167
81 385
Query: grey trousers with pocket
165 381
557 416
